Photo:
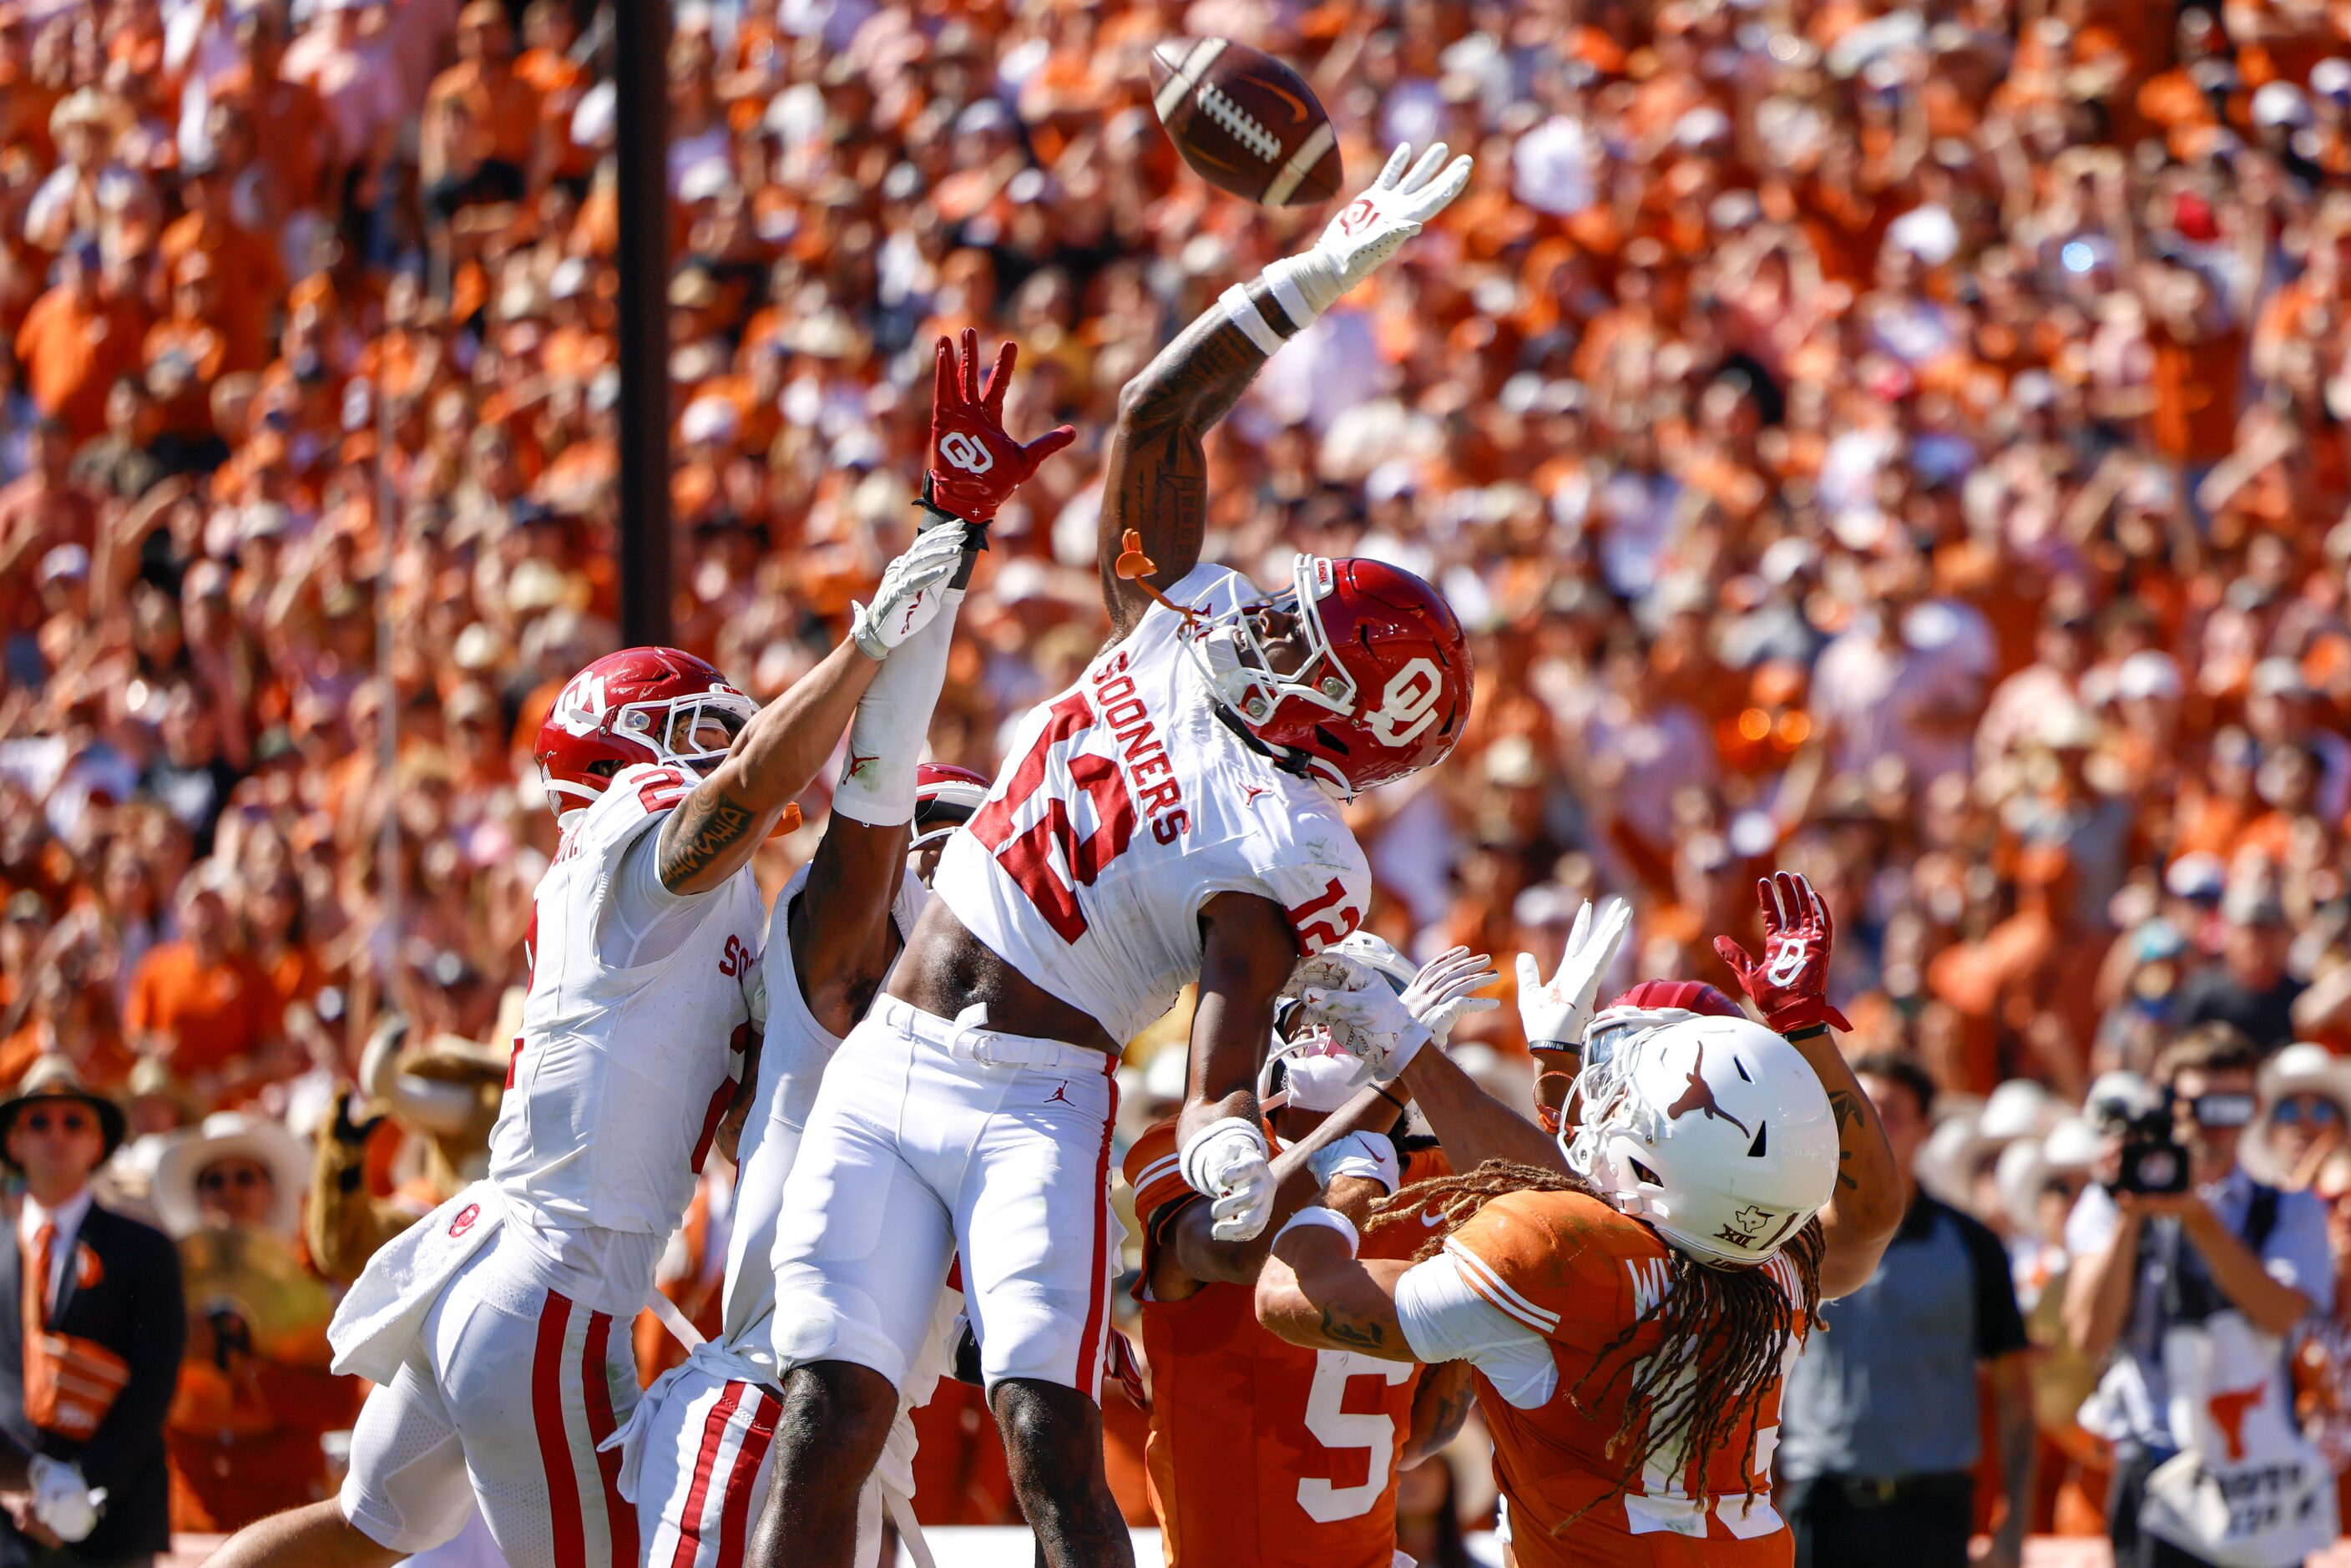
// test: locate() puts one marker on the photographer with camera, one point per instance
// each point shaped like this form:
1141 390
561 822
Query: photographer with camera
2187 1274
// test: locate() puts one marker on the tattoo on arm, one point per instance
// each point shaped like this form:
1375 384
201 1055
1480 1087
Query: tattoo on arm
705 825
1159 465
1845 1106
1451 1412
1341 1327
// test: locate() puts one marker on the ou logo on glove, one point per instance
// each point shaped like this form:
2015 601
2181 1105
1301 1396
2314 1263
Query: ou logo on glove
1408 705
971 456
1788 962
1358 214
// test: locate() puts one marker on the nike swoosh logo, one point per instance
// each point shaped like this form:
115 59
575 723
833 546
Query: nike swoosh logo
1431 1221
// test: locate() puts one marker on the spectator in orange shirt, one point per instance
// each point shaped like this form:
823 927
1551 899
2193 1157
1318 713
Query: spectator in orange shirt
483 129
245 265
291 133
204 1007
75 341
561 81
40 512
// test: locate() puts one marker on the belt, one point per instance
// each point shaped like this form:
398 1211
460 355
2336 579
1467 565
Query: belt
968 1038
1885 1491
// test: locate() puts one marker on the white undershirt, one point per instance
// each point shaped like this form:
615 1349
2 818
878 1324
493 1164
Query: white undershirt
1443 1320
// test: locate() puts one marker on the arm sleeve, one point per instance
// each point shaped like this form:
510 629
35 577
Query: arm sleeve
891 722
2000 1325
1444 1320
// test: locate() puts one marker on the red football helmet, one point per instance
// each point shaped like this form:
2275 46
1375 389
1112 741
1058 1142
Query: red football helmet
1382 690
945 798
640 705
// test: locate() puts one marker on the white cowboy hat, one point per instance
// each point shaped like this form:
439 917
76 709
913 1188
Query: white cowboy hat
2302 1068
224 1134
2026 1165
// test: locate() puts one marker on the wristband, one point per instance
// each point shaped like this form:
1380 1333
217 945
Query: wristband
1329 1219
1809 1032
1188 1160
1242 312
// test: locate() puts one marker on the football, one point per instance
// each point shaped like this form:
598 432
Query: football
1245 121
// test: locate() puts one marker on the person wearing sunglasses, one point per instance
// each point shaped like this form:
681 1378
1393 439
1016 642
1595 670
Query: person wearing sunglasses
2305 1099
88 1362
2225 1257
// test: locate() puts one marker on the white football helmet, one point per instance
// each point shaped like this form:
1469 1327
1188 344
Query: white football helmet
1714 1130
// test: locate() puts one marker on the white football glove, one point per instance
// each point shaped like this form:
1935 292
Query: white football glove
1227 1163
911 591
1555 1011
1318 1076
1439 995
1364 1017
1368 1156
62 1500
1368 230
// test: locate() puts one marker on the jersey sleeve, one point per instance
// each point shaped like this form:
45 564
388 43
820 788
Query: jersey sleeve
1318 875
1446 1318
1152 1170
1545 1258
637 915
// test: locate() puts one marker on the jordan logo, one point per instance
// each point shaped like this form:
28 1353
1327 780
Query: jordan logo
1254 791
857 764
1061 1093
1699 1097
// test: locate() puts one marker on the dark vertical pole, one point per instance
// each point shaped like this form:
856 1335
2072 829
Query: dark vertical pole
639 67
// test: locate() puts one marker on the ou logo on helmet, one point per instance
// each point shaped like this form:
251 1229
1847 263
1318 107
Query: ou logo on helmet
1408 704
971 456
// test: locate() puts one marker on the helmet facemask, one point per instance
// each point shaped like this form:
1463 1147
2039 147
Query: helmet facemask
693 732
1235 652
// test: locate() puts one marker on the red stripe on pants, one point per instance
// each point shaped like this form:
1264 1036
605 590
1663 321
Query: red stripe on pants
713 1437
546 1367
1088 1380
756 1437
620 1514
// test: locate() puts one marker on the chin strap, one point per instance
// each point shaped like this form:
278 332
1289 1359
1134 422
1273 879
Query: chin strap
1288 762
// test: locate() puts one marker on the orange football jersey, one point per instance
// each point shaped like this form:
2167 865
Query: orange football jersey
1576 1272
1264 1454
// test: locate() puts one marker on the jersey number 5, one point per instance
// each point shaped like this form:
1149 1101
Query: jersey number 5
1028 855
1334 1427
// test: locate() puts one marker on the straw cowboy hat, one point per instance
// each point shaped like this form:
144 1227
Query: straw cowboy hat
55 1079
2025 1167
88 105
231 1135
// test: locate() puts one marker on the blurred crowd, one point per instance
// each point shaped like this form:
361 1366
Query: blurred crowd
1904 445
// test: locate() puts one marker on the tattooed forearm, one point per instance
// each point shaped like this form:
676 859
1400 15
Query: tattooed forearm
1156 474
1849 1112
708 825
1340 1327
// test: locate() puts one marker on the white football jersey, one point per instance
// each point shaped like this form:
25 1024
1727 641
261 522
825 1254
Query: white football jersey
639 1001
1124 806
793 1053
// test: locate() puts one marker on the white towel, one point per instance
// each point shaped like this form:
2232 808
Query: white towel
382 1314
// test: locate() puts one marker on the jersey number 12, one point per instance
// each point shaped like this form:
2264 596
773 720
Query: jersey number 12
1026 856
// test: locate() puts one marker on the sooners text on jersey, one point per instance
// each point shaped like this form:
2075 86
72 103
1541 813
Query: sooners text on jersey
1124 805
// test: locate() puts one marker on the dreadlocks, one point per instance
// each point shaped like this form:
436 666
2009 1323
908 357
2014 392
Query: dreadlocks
1718 1332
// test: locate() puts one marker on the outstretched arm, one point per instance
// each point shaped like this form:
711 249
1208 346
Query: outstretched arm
1316 1292
1789 987
1189 1255
714 829
1155 480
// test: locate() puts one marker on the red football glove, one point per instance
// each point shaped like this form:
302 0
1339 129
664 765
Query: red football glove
974 465
1125 1369
1789 986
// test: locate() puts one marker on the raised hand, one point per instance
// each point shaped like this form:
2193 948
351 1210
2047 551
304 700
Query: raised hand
1374 226
1790 986
1555 1011
912 588
974 465
1439 995
1351 1002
